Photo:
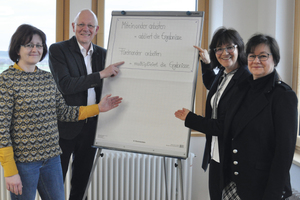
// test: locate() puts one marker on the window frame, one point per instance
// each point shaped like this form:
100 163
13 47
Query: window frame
62 20
201 92
296 61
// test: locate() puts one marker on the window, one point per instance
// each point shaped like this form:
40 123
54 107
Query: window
40 14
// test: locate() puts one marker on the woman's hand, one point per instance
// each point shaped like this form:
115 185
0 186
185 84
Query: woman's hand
107 103
181 114
14 184
203 55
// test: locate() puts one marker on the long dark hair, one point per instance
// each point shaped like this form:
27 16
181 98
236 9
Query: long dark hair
22 36
227 36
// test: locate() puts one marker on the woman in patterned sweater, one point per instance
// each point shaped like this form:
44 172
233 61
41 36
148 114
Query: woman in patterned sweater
30 105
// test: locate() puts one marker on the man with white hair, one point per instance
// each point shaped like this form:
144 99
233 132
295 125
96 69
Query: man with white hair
78 69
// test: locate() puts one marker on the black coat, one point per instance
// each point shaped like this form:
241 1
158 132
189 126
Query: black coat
69 71
211 80
259 155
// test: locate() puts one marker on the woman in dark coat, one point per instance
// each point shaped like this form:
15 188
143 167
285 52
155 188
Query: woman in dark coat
259 130
226 52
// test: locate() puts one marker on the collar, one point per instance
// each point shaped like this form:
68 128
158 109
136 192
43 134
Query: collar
16 66
271 80
83 50
229 73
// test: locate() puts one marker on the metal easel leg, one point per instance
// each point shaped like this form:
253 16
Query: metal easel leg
166 182
98 154
179 179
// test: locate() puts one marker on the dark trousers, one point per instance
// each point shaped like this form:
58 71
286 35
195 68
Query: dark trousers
83 157
215 190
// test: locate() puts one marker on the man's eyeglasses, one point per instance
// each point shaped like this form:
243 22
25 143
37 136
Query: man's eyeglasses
83 25
261 57
31 46
228 49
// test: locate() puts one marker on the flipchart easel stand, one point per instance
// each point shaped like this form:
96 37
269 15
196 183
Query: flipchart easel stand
179 180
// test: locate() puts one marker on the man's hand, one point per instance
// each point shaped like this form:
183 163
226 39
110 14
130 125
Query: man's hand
14 184
111 70
107 103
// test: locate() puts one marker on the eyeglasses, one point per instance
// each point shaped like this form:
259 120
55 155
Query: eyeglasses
228 49
261 57
83 25
31 46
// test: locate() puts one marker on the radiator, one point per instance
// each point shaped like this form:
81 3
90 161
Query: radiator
130 176
295 196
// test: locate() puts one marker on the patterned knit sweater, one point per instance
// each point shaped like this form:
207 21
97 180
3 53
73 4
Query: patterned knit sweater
30 105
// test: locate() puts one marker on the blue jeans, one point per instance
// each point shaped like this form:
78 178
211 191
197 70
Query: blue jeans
44 176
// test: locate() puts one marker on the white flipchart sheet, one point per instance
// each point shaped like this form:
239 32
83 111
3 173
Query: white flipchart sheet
158 78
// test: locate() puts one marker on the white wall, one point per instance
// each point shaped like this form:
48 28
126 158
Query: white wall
295 174
284 33
200 178
273 17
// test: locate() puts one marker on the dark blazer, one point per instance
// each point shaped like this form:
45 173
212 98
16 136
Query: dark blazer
259 155
69 71
211 80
